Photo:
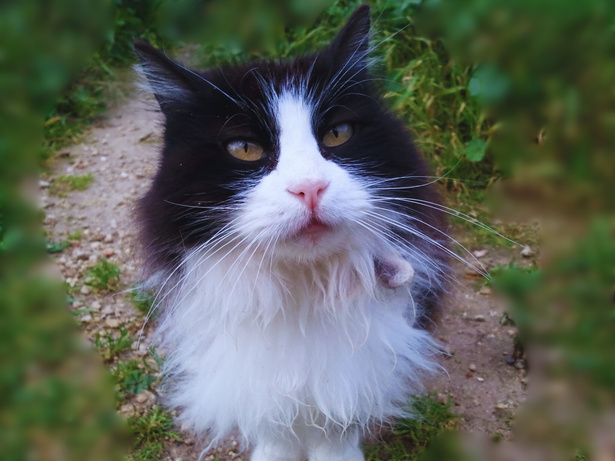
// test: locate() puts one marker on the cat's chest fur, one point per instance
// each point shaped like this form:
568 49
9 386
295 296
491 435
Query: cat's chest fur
264 344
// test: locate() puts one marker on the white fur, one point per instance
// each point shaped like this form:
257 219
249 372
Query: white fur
290 338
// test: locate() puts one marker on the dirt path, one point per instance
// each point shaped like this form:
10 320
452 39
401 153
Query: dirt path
121 155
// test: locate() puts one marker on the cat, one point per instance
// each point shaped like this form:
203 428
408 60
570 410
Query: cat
298 246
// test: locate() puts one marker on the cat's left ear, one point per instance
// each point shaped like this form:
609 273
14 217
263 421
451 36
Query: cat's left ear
351 46
171 83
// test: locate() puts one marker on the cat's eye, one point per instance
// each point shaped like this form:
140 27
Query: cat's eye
245 150
337 135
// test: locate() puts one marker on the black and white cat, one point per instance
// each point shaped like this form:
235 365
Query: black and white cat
295 238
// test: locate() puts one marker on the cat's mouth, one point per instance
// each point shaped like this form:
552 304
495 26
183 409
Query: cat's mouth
313 228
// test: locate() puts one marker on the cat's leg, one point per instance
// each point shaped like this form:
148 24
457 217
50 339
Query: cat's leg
273 447
336 447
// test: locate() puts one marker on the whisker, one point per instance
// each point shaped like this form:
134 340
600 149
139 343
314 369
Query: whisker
430 240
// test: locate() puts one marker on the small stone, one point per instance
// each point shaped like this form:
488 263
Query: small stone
510 360
141 398
479 318
112 323
95 245
95 305
85 318
479 379
472 367
85 290
108 252
127 410
520 364
527 252
43 184
81 256
485 291
108 238
502 406
480 253
512 333
123 174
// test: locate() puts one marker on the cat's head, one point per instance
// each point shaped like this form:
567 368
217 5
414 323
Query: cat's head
299 158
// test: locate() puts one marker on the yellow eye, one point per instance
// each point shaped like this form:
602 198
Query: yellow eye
245 150
337 135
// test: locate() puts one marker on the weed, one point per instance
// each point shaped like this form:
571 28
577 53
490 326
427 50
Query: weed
159 360
150 431
141 299
57 247
412 435
104 276
131 377
110 346
497 437
63 184
75 235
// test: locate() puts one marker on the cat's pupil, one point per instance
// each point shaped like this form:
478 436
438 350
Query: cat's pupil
335 133
245 147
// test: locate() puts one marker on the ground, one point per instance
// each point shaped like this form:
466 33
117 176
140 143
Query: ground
88 196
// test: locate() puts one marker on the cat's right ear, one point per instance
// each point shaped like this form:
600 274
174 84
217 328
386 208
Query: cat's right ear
170 82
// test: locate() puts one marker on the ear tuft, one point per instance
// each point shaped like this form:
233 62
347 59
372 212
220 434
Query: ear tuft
166 79
352 42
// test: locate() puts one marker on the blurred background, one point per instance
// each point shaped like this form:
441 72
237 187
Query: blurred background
513 101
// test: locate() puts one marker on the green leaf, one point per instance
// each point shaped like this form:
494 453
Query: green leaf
475 150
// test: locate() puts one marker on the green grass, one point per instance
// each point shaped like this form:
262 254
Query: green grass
57 247
413 435
110 346
150 432
75 235
61 185
104 276
142 300
132 376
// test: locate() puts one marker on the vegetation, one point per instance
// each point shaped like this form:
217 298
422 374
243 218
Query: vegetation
132 376
87 95
104 276
150 432
60 185
111 346
141 299
413 435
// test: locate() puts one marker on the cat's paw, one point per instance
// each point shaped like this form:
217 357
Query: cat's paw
271 451
336 453
393 271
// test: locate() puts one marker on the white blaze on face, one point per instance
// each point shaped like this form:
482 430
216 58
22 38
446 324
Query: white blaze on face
299 159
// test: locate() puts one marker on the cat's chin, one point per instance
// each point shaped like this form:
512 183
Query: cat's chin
316 241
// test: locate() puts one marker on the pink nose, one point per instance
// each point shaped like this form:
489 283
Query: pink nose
310 192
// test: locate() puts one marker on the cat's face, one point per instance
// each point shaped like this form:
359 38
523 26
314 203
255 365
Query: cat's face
299 157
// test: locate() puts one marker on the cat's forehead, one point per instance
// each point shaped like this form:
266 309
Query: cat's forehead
272 76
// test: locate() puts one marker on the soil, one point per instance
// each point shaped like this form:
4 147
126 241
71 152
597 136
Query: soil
121 153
